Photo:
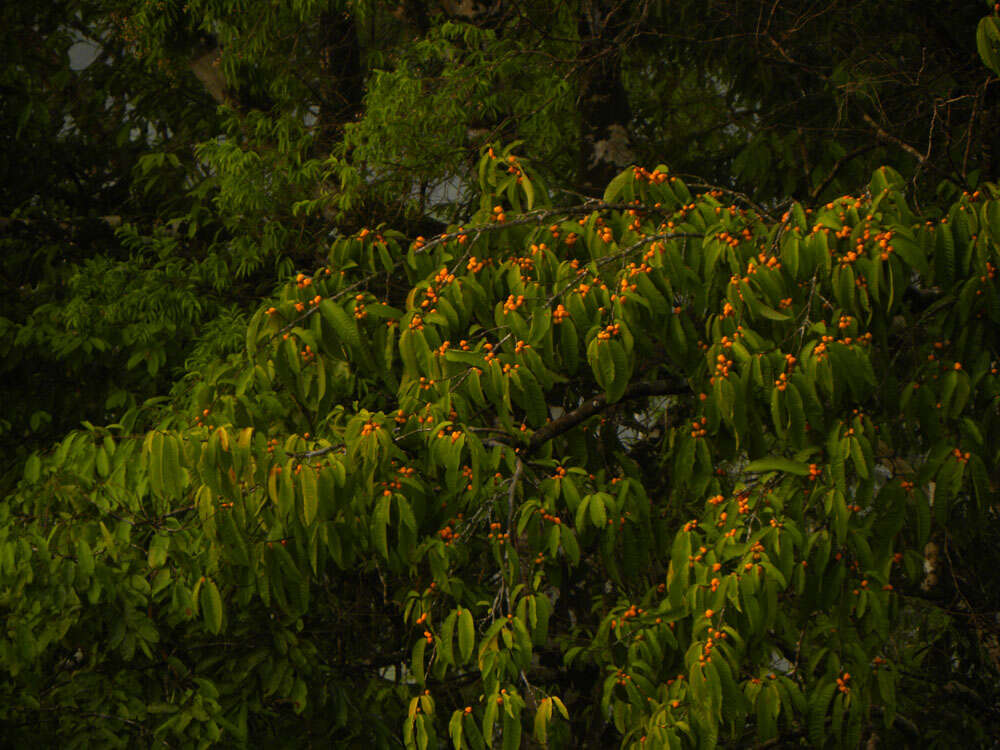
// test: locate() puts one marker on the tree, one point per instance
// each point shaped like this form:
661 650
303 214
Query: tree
663 467
366 112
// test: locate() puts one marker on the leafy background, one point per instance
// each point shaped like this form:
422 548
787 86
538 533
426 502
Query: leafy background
236 244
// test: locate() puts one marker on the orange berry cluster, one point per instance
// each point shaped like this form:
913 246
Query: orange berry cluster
609 331
513 303
625 286
630 613
637 217
443 277
548 517
842 683
453 432
644 175
713 634
770 261
447 535
525 263
727 239
379 239
515 168
394 486
495 533
559 314
722 365
622 677
359 307
820 349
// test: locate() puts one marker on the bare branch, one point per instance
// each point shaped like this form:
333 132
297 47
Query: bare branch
597 404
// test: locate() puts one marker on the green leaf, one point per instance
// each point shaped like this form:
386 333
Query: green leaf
211 606
598 514
84 558
32 468
569 544
617 186
677 580
380 525
156 462
911 253
818 706
511 732
445 642
777 463
542 717
622 368
342 324
158 547
455 729
417 661
466 636
988 42
310 495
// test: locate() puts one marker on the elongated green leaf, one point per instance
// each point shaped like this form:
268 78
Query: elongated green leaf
343 324
158 547
777 463
988 42
211 606
310 495
380 526
466 636
818 705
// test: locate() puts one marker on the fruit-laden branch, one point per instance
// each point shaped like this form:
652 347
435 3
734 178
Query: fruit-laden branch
592 406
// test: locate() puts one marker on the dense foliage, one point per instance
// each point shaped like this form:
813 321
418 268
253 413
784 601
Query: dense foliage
522 448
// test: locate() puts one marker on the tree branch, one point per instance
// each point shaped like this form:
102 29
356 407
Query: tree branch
836 168
592 406
882 134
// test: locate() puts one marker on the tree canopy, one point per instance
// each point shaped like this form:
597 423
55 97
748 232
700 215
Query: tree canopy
475 374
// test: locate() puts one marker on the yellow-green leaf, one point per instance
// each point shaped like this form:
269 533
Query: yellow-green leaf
466 635
211 606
